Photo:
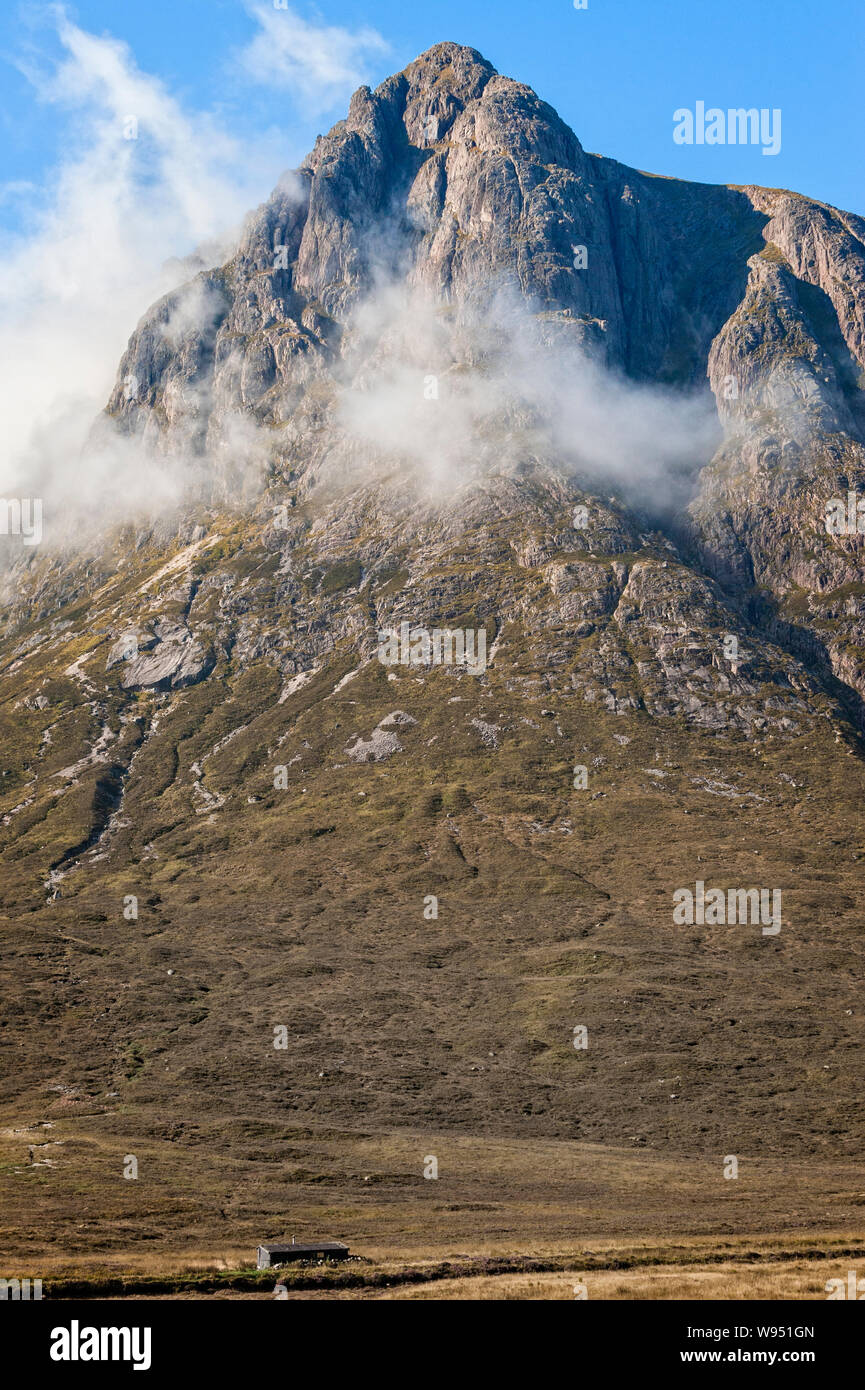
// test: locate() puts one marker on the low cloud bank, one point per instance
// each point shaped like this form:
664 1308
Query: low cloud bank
464 390
457 391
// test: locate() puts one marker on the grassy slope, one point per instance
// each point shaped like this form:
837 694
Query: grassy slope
410 1037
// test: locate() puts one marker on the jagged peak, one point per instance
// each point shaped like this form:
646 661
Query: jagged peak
428 67
427 96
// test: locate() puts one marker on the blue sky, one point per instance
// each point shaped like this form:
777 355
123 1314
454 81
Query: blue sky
135 131
615 71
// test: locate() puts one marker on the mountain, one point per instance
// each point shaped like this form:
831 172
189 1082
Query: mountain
460 374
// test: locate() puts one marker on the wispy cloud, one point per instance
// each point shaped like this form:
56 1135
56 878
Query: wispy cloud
141 179
497 383
323 64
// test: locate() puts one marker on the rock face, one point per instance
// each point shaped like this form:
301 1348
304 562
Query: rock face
456 182
460 181
206 704
174 660
450 211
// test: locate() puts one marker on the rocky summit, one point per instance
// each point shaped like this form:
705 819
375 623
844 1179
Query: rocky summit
503 603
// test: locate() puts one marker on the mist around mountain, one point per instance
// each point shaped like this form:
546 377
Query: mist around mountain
457 377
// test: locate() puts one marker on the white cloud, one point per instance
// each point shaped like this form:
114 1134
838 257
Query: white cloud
494 384
94 253
323 64
97 253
